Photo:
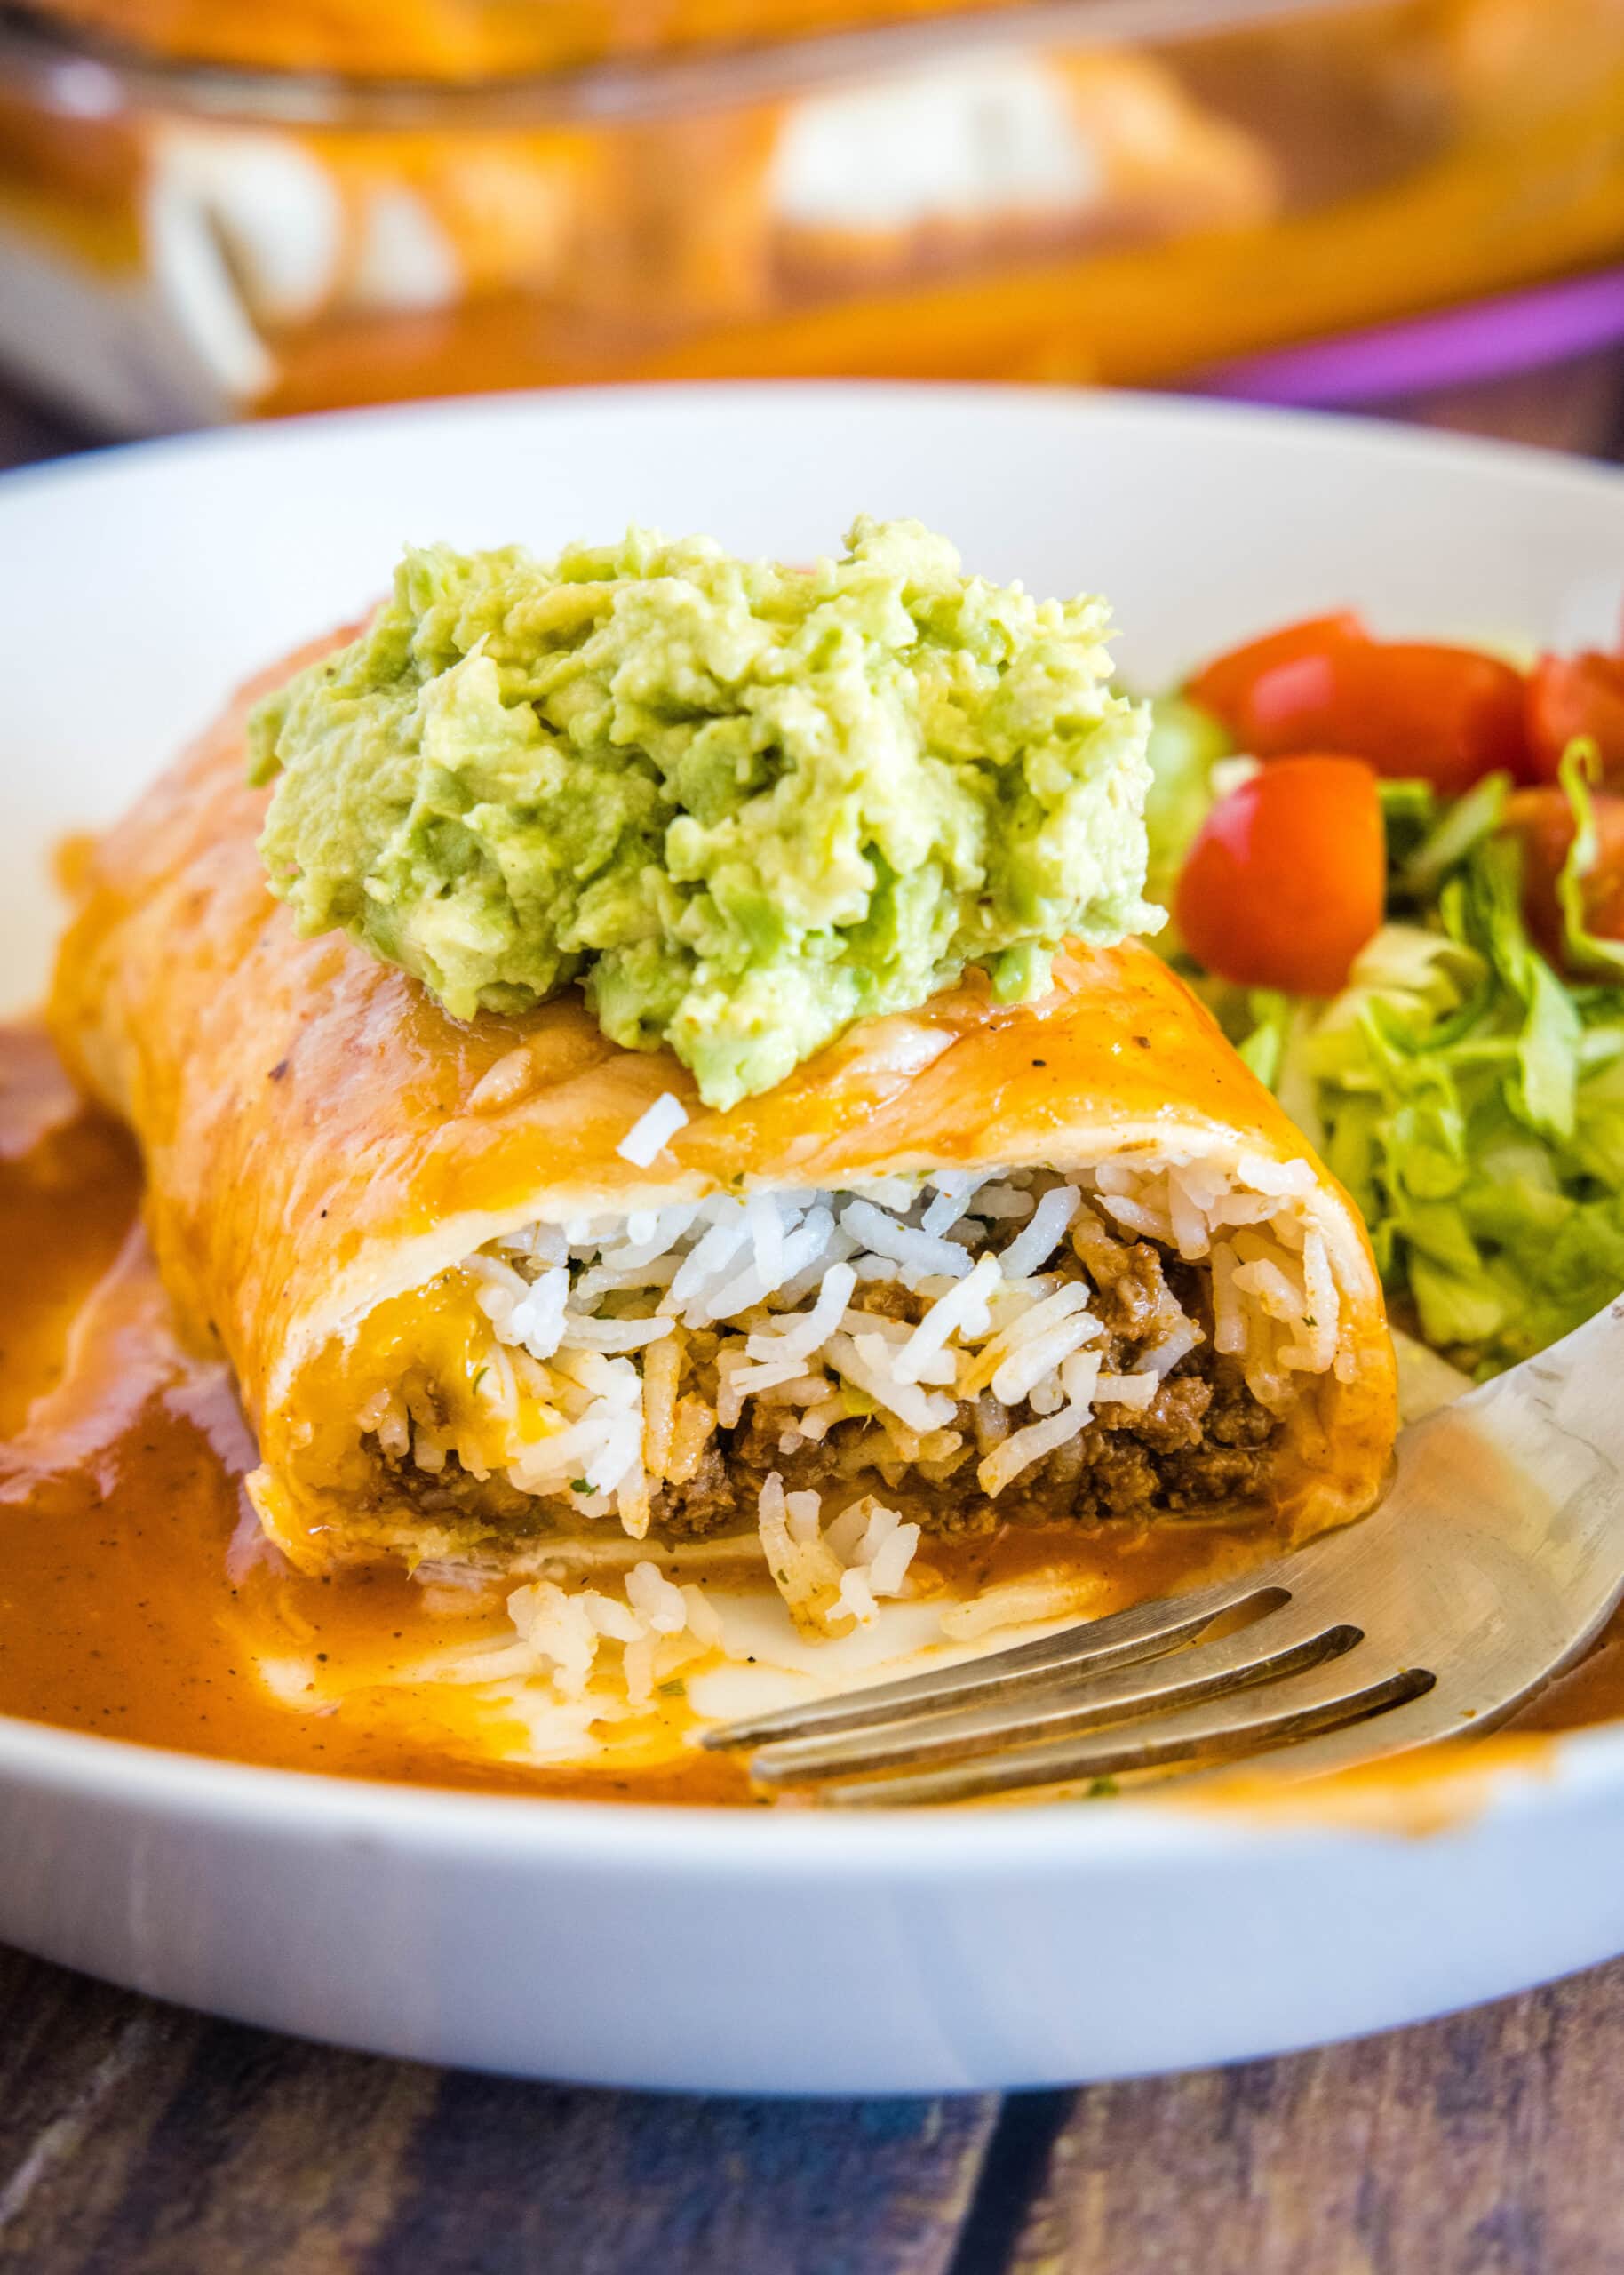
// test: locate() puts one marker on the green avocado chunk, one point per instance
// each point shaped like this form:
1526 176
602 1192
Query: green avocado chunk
741 804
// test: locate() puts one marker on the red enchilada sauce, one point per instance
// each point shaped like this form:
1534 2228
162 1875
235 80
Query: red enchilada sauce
135 1590
137 1597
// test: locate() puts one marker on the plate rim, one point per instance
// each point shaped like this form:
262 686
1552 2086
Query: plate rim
1309 428
83 1765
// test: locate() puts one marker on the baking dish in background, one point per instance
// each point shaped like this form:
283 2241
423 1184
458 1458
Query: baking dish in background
232 212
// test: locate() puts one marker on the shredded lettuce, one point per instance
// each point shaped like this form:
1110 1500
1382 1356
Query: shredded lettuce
1582 766
1469 1097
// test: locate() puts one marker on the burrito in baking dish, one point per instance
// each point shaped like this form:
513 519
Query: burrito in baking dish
503 1295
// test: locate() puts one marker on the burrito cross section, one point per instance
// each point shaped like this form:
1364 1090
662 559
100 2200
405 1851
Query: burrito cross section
504 1294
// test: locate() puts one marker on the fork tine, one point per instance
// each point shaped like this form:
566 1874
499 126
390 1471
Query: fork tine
1122 1638
1283 1643
1302 1708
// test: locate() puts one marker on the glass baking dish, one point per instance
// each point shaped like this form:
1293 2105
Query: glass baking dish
192 229
460 40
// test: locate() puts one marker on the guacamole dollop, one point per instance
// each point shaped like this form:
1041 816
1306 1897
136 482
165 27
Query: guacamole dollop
741 804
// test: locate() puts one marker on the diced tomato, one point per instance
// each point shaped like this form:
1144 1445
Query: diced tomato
1224 686
1448 716
1569 695
1543 821
1286 880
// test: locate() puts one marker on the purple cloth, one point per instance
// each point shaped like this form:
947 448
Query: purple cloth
1518 332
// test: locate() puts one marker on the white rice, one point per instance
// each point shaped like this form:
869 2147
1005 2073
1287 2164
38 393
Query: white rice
831 1579
620 1345
659 1628
1030 1249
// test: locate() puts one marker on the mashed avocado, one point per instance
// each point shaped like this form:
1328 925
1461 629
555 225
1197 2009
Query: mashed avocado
742 804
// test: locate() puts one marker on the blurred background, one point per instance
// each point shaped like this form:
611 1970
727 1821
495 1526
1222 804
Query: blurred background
218 210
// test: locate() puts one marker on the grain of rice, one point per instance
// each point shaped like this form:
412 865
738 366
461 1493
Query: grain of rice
1293 1179
496 1274
394 1432
1229 1319
991 1423
632 1504
890 1558
557 1627
905 1445
653 1130
498 1384
1068 1301
862 1362
1035 1355
1315 1348
660 1230
507 1077
962 1311
1002 1201
1242 1209
1277 1297
662 1370
616 1622
601 1280
853 1321
888 1192
827 1246
1189 1220
655 1600
1079 1375
856 1597
637 1667
612 1335
1174 1342
536 1243
782 1380
1150 1222
1022 1447
801 1390
690 1434
371 1411
715 1248
1033 1246
1135 1391
955 1190
703 1620
767 1235
913 1250
798 1334
816 1421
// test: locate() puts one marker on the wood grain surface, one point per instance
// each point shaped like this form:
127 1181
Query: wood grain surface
138 2140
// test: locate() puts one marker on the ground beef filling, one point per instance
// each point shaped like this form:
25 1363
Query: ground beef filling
1203 1445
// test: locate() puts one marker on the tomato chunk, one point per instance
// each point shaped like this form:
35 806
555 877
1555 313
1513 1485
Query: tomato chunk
1448 716
1287 879
1569 695
1542 821
1224 686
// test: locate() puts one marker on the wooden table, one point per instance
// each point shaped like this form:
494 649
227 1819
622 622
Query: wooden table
138 2140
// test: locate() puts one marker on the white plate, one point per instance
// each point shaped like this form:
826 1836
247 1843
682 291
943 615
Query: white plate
764 1950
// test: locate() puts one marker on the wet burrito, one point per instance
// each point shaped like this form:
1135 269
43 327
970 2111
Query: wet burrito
503 1294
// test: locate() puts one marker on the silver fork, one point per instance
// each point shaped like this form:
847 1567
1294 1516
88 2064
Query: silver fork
1495 1557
